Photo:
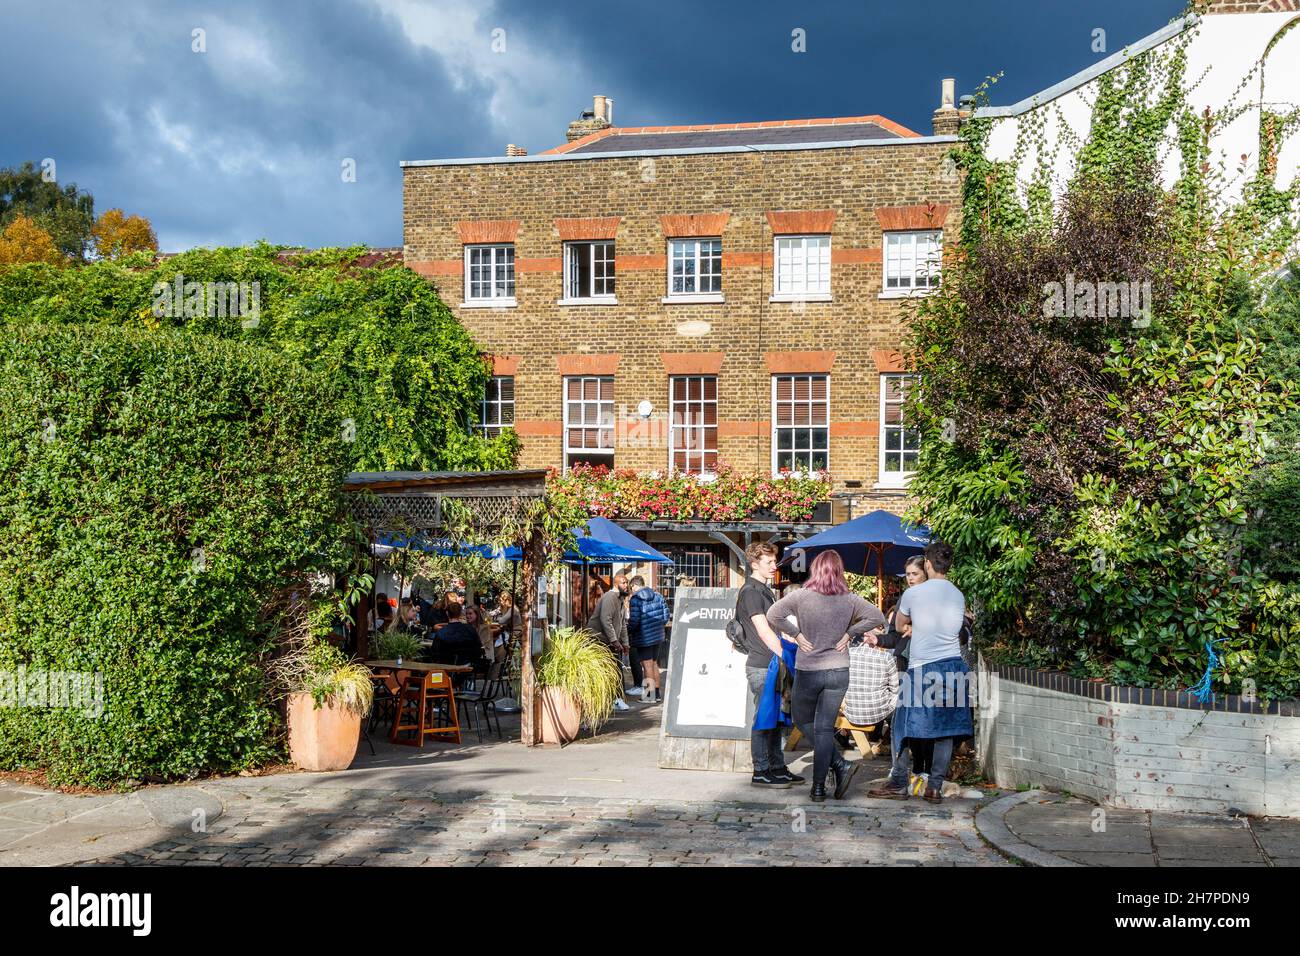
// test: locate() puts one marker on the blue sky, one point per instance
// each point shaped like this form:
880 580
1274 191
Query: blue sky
248 139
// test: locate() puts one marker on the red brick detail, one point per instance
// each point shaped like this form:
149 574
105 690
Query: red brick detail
694 224
640 263
787 363
550 264
487 230
806 221
854 429
437 267
733 260
505 364
692 363
584 364
923 216
744 429
887 361
595 227
539 429
884 122
855 257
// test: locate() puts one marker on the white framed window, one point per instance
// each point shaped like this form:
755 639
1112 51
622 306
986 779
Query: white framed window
589 271
693 427
588 420
912 261
497 410
694 268
800 423
900 446
802 267
490 275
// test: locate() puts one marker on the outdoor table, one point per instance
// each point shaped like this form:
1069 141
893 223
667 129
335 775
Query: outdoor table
400 673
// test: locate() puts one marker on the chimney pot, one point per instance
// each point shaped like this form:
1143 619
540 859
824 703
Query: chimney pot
513 150
949 98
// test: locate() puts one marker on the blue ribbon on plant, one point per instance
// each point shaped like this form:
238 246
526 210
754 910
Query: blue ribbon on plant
1203 691
768 715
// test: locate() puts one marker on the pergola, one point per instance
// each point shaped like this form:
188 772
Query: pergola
406 502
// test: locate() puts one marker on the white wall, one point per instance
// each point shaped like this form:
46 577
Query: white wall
1140 757
1224 49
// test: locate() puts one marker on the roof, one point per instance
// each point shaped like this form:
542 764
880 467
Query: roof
520 479
621 139
772 135
1165 33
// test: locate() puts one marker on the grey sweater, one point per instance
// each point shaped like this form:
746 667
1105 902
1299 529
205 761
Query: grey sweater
823 619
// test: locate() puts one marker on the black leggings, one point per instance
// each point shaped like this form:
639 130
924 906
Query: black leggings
922 755
815 705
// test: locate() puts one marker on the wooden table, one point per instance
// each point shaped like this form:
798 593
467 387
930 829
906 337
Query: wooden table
419 667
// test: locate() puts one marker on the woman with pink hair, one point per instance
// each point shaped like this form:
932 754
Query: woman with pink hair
826 615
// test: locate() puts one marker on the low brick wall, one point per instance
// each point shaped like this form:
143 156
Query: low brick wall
1136 747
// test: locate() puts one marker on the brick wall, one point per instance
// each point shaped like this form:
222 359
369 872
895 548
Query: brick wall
641 337
1140 756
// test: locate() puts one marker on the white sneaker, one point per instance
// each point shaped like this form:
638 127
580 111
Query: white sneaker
633 692
620 704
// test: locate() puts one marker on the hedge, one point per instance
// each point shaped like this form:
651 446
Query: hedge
156 489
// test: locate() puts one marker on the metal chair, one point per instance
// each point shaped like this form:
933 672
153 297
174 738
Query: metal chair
482 696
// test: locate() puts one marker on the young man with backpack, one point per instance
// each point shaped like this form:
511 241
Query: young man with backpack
761 644
647 616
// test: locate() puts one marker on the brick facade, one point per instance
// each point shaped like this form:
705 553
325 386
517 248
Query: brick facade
854 193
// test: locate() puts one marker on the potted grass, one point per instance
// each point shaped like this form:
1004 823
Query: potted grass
326 707
395 646
579 680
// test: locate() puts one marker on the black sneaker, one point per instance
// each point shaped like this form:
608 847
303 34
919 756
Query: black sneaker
785 773
771 781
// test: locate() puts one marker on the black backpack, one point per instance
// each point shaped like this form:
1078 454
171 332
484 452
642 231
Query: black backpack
736 630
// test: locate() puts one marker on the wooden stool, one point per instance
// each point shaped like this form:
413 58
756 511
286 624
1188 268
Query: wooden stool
858 732
422 696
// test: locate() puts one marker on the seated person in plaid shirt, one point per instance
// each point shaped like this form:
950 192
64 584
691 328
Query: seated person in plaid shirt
873 684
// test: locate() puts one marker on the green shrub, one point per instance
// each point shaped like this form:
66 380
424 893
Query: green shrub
408 376
157 493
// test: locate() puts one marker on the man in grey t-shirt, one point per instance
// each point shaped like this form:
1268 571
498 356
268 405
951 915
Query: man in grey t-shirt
936 610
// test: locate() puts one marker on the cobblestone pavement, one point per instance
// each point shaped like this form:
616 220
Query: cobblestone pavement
268 825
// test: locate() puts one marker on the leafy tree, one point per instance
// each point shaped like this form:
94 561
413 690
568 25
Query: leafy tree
24 241
66 213
116 235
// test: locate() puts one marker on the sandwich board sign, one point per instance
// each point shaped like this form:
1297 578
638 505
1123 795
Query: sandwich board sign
708 710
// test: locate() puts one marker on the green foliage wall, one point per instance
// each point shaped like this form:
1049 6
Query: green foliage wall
1120 488
157 490
408 377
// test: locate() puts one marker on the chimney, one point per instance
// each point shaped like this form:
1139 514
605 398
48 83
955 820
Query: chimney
947 118
513 150
600 116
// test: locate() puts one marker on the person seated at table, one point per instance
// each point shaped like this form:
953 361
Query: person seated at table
456 642
383 612
506 623
476 619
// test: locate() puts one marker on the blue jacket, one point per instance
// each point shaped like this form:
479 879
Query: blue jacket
647 616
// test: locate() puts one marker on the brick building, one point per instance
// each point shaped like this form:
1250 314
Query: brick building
669 297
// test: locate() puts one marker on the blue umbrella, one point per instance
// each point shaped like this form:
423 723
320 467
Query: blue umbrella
876 543
601 540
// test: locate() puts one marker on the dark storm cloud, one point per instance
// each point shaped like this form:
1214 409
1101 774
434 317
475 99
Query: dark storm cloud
246 141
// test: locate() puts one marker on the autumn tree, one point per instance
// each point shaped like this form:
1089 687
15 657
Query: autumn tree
116 234
24 241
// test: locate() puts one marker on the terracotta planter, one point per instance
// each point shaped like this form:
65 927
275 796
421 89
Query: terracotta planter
561 718
324 738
